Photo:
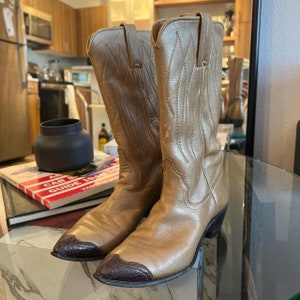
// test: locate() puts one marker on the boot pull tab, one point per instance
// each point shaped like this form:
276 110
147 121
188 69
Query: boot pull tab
133 46
204 42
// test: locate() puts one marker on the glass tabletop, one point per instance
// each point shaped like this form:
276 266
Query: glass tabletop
255 256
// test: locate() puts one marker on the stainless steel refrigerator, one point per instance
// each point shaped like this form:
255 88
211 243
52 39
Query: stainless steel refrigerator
14 119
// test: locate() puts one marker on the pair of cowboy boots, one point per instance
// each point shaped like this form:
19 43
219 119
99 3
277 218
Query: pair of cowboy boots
162 100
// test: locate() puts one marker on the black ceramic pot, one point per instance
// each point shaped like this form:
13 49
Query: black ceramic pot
62 145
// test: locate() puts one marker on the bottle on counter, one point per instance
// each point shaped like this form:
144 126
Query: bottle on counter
103 137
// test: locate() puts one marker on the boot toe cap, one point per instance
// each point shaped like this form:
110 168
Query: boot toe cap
114 270
70 248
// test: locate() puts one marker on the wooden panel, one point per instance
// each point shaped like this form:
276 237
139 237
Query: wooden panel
88 21
25 2
73 34
243 14
188 2
42 5
57 18
32 87
243 40
33 102
69 32
243 11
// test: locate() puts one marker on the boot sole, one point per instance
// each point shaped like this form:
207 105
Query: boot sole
212 229
77 259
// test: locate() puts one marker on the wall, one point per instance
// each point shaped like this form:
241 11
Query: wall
278 88
42 59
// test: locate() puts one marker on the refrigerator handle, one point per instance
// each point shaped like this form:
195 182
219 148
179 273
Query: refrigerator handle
22 68
21 47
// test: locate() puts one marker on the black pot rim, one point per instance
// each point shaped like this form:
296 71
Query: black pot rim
63 126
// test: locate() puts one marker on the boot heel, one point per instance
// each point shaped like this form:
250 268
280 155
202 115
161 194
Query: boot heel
215 224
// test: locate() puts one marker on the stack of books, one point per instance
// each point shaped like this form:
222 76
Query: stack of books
30 194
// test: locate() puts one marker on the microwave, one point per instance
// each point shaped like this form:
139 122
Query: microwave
38 26
79 75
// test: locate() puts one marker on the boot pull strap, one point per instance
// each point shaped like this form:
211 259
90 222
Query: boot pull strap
204 43
133 47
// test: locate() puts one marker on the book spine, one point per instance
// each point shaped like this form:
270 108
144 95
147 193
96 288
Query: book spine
49 189
63 188
29 187
82 190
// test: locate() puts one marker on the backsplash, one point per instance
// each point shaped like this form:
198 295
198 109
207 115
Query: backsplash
42 59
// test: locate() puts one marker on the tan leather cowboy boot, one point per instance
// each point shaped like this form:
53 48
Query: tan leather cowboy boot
123 61
235 112
188 53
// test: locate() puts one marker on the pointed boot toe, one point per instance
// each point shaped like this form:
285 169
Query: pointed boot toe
70 248
118 272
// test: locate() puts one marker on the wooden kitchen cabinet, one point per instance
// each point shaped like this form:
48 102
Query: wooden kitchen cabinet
64 24
33 102
69 43
58 26
42 5
136 12
64 29
89 20
242 14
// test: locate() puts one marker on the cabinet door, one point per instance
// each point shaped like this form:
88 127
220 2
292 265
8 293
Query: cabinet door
42 5
89 20
119 12
57 18
243 10
142 14
137 12
69 34
64 29
33 110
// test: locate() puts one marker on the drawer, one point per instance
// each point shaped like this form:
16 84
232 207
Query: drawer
32 87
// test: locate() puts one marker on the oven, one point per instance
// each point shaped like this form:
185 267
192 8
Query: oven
56 101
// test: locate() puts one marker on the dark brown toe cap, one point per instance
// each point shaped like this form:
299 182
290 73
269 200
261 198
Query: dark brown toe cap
69 248
115 268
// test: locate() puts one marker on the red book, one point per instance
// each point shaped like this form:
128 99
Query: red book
57 189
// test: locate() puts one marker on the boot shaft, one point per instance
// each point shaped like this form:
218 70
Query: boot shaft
235 112
188 53
124 66
235 66
123 61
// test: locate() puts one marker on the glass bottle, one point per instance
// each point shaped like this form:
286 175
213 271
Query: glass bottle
102 137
